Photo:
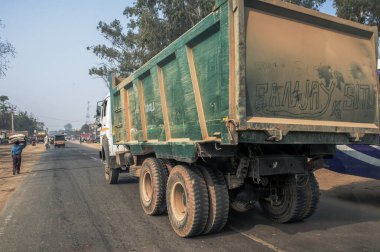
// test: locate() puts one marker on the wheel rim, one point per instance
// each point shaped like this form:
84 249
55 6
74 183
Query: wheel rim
178 201
283 198
107 172
147 187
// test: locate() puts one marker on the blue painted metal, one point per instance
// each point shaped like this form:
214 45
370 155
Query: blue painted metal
358 160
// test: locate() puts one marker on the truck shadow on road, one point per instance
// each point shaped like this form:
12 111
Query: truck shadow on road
367 193
127 179
338 207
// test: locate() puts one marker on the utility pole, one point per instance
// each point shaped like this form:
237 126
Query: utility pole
88 113
13 109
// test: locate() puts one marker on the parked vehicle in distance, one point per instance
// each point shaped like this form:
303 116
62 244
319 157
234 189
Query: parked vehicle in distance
59 141
41 136
240 109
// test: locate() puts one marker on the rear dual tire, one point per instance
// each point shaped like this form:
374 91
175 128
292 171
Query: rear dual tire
197 200
289 205
187 201
297 199
312 195
218 200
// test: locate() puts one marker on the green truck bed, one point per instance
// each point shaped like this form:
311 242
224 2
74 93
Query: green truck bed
260 72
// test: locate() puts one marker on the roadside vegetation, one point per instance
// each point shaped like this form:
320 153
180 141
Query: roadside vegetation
23 121
7 51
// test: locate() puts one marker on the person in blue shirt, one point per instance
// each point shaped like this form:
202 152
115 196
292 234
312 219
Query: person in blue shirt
16 151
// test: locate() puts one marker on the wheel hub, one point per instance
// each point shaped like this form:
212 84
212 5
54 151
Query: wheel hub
147 187
179 201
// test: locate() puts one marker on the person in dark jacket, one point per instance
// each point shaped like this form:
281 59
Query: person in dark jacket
16 151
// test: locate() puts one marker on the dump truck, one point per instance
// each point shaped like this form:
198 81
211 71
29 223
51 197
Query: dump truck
241 109
41 136
59 141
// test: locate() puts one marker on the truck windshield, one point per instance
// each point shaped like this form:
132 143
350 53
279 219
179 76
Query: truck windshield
59 138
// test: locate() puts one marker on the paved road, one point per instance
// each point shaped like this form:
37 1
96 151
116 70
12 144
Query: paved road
65 205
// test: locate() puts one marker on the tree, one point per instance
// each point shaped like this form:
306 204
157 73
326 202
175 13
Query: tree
22 120
152 25
85 128
25 121
4 104
362 11
6 51
311 4
4 112
68 127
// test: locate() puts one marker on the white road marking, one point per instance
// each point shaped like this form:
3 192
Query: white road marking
358 155
257 239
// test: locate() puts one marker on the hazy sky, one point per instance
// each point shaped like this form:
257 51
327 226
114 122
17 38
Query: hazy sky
49 76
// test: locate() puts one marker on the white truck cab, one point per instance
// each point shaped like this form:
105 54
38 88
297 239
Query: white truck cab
108 149
105 124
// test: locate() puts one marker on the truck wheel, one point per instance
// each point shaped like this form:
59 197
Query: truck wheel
111 174
312 195
169 164
153 179
218 199
290 203
241 206
187 201
242 199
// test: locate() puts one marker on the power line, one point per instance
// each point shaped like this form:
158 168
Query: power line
57 119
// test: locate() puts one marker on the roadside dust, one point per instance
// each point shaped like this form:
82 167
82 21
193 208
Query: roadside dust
329 180
349 188
8 181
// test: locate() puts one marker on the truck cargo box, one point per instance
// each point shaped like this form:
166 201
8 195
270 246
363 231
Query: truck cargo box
261 72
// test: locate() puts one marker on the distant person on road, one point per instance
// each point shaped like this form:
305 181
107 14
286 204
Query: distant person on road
16 151
47 145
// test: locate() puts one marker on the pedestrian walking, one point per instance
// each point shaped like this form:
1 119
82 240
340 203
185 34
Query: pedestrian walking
46 140
16 151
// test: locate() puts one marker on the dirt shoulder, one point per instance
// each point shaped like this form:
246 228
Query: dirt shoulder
8 181
349 188
329 180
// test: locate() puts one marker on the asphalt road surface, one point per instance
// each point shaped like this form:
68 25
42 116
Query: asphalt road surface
64 204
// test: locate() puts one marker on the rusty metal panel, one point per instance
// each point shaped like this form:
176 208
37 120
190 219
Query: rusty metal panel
301 64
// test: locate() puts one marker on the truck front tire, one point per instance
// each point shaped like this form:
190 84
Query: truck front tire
111 173
187 201
152 185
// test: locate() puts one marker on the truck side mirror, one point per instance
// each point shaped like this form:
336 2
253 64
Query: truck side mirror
98 110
